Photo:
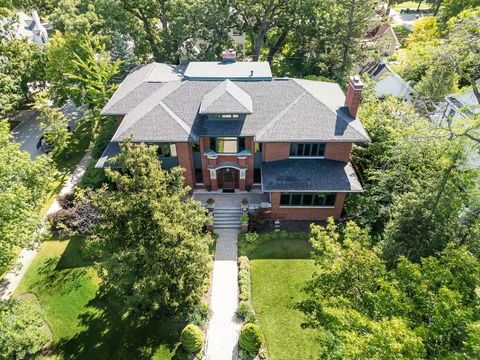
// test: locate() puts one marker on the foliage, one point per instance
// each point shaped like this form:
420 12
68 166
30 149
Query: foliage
153 253
22 329
451 8
244 279
251 237
363 309
21 69
244 218
192 338
54 124
200 314
251 338
24 185
245 312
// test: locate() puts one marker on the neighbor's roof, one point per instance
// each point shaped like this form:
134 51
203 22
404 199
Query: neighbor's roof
281 110
226 98
309 175
465 101
205 70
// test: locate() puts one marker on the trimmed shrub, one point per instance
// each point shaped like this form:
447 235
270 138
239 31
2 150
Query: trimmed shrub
192 338
251 237
244 280
251 338
200 314
244 218
245 311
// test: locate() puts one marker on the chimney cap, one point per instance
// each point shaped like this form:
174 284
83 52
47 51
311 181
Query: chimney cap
229 55
356 82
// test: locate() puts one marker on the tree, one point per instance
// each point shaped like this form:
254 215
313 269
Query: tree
365 310
54 124
452 8
24 185
22 329
153 253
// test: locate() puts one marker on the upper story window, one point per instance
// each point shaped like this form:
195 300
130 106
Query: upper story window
307 199
223 116
307 149
165 149
227 145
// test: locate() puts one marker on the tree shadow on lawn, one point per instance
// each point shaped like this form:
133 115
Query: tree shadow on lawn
109 335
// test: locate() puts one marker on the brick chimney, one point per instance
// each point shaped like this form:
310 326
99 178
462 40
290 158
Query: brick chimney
354 92
229 55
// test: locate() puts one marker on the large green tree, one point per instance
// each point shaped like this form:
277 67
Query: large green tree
22 329
364 310
24 185
154 255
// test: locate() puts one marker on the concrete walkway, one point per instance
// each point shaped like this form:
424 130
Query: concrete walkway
12 278
224 326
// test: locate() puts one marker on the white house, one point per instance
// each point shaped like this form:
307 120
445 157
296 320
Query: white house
388 82
32 28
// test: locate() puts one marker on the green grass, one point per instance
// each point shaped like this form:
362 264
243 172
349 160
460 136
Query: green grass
401 31
86 321
411 5
280 267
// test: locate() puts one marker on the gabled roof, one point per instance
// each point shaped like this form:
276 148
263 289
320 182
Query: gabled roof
226 98
278 110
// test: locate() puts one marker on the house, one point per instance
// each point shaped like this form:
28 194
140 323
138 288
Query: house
30 27
388 82
382 37
235 128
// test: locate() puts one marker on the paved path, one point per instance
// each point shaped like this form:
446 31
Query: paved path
12 279
224 326
28 132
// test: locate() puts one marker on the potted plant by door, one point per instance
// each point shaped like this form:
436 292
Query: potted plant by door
244 206
210 204
244 222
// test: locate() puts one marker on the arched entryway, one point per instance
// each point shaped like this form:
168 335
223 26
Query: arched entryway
228 178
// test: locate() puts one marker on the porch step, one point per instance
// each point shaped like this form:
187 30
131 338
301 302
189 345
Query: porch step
226 218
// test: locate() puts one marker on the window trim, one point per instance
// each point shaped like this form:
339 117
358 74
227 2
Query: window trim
224 116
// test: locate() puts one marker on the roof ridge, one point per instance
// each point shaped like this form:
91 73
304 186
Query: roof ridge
177 118
279 116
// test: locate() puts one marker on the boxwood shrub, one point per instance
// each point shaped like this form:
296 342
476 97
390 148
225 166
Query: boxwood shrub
192 338
251 338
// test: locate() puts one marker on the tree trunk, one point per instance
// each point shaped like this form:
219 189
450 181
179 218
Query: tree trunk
419 3
258 44
348 38
164 21
278 45
437 7
150 37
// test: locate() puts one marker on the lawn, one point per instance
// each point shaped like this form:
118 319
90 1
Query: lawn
85 321
280 267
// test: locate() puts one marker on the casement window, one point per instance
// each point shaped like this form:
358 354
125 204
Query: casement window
308 199
223 116
307 149
227 145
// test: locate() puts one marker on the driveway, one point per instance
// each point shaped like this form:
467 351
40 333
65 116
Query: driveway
404 19
28 132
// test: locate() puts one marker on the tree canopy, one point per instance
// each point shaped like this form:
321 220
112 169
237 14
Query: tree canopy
153 253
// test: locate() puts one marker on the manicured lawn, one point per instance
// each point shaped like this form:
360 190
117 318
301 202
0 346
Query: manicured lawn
411 5
86 322
280 267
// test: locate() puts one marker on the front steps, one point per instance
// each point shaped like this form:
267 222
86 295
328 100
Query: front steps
227 218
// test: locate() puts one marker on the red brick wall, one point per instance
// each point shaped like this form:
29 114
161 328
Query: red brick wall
338 151
204 145
250 145
300 213
119 118
185 160
275 151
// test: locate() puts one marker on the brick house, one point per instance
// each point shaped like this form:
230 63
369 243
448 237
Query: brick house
235 128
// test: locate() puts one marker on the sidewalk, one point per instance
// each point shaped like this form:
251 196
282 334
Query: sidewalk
13 277
224 326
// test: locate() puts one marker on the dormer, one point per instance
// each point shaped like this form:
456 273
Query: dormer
226 101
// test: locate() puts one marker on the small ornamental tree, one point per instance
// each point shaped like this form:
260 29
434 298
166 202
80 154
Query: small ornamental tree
22 329
153 253
251 338
192 338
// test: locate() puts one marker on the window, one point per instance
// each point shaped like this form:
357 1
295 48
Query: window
223 116
165 149
307 149
227 145
307 199
258 147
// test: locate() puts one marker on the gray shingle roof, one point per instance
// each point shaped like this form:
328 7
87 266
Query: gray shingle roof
112 150
283 110
226 98
309 175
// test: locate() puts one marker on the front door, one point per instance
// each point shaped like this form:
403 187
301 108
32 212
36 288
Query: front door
228 178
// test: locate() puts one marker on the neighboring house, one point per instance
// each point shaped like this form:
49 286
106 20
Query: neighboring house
31 27
388 82
234 128
383 38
